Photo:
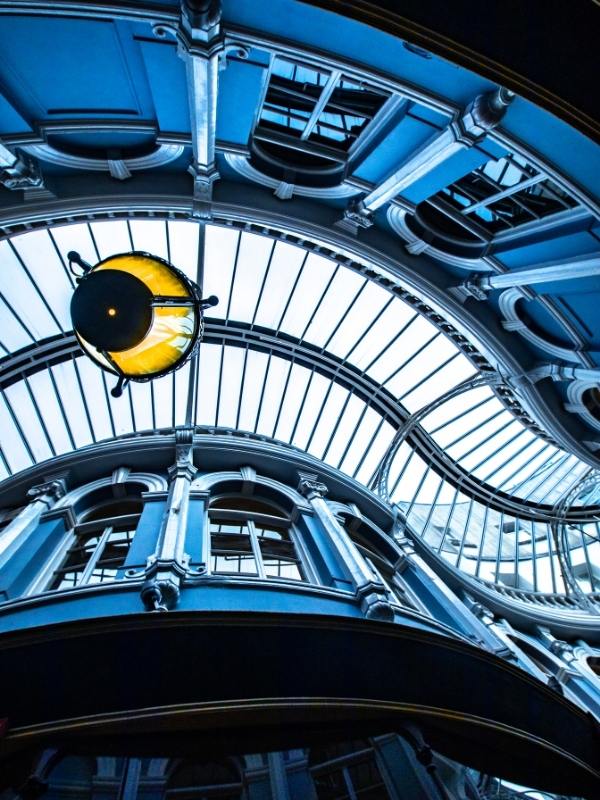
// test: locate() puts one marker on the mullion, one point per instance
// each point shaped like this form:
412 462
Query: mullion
411 358
391 342
369 328
233 275
548 478
484 529
263 390
39 415
523 466
511 456
264 280
94 243
483 443
428 376
283 396
471 430
318 415
402 471
168 240
318 305
106 397
301 407
448 523
349 395
432 507
68 272
83 396
293 289
498 449
61 408
4 461
345 315
242 388
218 404
353 436
36 288
367 450
461 547
153 405
540 469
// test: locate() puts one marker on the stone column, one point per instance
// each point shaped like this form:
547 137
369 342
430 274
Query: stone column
369 588
43 496
169 564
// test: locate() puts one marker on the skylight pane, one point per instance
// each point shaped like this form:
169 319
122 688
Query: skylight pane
256 366
360 441
47 271
48 405
72 401
13 335
183 242
285 266
20 402
208 384
375 452
111 237
252 263
381 334
95 395
162 391
13 444
327 420
410 480
449 376
347 426
290 407
231 383
220 255
313 281
421 367
312 404
182 382
272 398
20 293
416 334
339 297
76 237
362 313
142 406
149 235
454 411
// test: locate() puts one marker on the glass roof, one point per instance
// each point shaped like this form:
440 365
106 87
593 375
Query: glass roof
302 349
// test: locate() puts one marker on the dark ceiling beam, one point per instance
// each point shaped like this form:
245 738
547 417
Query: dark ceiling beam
543 50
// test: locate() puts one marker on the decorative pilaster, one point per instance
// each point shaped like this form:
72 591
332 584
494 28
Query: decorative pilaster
168 566
466 130
43 496
201 45
369 589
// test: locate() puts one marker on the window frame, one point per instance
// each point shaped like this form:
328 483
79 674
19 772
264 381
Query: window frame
250 519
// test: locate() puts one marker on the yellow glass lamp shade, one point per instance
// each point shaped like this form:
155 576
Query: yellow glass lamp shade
136 315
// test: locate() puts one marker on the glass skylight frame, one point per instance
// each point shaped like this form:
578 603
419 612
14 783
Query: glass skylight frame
360 359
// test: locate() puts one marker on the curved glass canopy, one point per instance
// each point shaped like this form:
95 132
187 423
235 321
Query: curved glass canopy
306 350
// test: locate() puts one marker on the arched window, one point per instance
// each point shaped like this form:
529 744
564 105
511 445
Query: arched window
252 537
201 781
467 217
311 123
347 771
100 545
